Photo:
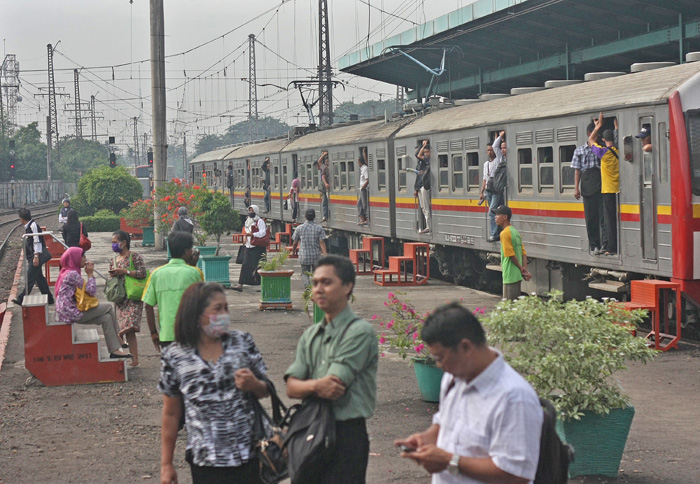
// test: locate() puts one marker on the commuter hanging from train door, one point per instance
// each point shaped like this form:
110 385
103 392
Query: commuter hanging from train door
610 180
489 192
422 186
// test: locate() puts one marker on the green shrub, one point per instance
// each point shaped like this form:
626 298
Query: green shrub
105 212
107 188
101 223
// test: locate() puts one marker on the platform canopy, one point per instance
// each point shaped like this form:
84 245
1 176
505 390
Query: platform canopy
495 45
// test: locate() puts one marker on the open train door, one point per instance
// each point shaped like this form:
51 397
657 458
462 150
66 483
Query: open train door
649 150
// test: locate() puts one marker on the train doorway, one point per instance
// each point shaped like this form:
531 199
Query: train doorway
647 200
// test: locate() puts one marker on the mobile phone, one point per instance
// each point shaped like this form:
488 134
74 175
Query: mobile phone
405 448
481 202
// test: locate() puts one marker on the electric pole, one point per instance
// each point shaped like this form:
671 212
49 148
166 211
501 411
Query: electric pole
184 157
252 90
160 138
53 114
399 98
9 73
92 118
325 86
78 115
136 142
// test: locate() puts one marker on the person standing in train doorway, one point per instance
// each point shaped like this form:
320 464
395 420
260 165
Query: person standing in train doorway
496 154
610 180
363 188
422 186
586 167
266 185
324 185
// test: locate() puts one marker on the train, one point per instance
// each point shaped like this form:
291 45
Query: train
144 174
659 200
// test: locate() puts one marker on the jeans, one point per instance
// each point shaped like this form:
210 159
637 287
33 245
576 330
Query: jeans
424 200
324 205
495 200
363 203
268 201
349 459
610 221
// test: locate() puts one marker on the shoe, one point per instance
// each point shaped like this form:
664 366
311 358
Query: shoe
493 239
238 288
323 220
17 302
424 231
124 345
595 251
117 355
612 254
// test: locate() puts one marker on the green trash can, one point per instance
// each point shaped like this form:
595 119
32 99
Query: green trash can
276 289
149 238
216 269
204 250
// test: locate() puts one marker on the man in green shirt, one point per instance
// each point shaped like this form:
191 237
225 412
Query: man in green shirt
337 367
166 284
513 255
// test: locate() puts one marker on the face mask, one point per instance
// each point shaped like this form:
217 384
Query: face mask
251 215
115 247
218 325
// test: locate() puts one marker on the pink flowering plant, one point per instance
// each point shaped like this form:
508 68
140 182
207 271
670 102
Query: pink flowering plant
402 331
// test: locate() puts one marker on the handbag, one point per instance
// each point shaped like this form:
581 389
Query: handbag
241 254
261 241
286 204
134 287
114 287
84 243
44 256
310 440
268 438
83 300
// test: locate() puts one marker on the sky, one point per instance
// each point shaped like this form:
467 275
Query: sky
206 48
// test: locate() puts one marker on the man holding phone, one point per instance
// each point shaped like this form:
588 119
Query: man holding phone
490 420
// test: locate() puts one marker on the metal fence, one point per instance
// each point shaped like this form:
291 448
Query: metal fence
21 193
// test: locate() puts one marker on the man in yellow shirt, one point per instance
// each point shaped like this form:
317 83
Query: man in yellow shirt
610 180
513 255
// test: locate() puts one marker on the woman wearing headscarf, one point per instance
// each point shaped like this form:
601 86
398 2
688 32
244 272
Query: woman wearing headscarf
255 228
69 279
213 374
71 230
183 223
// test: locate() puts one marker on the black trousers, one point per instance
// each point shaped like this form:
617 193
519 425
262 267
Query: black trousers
610 221
348 464
248 473
593 211
249 269
35 275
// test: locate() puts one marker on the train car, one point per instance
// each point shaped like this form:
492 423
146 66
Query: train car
210 168
658 222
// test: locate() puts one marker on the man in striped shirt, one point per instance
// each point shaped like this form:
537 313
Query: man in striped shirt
587 174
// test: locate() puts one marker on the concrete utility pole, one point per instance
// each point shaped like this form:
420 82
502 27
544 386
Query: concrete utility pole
325 86
136 142
160 138
48 147
78 114
92 118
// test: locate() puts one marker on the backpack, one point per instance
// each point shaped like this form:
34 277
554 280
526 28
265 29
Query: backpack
500 177
555 455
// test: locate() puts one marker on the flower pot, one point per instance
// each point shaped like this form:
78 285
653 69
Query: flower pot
598 441
215 268
204 250
429 377
275 289
149 238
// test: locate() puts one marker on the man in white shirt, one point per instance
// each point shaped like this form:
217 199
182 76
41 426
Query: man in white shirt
497 154
363 188
490 419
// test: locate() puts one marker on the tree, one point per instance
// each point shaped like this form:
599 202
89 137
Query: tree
217 216
243 131
30 154
106 188
78 156
367 109
207 143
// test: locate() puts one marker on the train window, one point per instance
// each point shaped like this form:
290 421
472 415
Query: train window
284 178
693 124
309 176
525 168
402 172
457 172
381 175
545 167
336 175
567 174
276 177
473 178
315 176
443 172
351 175
662 144
343 175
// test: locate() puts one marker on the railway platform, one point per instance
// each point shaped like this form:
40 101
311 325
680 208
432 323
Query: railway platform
63 433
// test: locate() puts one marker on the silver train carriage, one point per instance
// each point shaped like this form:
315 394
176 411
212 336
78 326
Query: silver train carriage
658 222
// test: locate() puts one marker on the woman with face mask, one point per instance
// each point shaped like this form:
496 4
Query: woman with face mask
69 279
129 311
256 228
213 373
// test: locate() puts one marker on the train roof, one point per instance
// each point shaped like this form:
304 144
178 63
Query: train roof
649 87
216 155
361 132
257 149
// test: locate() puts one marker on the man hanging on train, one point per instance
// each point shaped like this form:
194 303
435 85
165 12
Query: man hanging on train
422 186
586 167
610 180
645 136
496 153
324 185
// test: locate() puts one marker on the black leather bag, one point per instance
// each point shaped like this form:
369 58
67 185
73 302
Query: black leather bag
241 254
310 440
268 438
44 256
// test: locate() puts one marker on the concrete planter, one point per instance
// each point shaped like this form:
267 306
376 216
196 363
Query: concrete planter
275 289
216 268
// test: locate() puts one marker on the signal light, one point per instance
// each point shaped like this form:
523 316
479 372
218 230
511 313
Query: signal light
12 170
149 154
112 160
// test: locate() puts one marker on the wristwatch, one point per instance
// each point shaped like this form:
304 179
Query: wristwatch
453 466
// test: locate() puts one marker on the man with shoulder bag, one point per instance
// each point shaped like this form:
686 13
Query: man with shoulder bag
336 361
586 167
36 254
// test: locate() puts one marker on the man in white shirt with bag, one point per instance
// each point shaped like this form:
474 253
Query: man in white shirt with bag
490 419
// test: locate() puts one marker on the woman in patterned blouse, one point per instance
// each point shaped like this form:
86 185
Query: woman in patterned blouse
215 373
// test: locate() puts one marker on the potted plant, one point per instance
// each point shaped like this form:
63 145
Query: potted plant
402 333
137 220
275 283
569 352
